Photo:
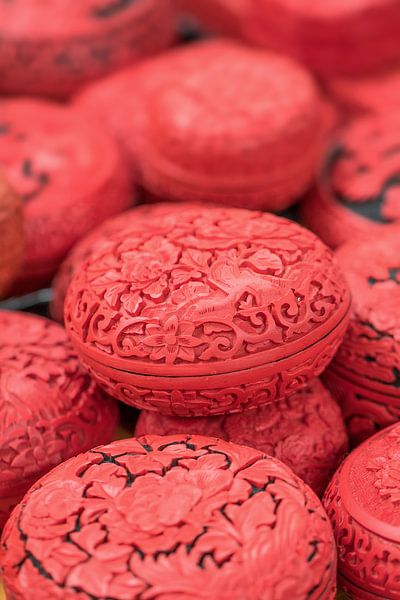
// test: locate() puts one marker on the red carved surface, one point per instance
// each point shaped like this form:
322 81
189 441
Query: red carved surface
305 431
170 517
96 239
332 37
376 92
251 299
366 368
11 236
359 189
365 411
69 173
49 409
363 504
54 47
199 136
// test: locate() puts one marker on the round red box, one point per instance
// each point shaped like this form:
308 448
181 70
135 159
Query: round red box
305 431
166 517
69 173
210 139
358 190
52 48
365 372
11 236
234 133
50 410
362 502
332 38
207 310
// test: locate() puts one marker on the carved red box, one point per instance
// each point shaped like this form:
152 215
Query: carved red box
362 502
49 409
358 190
234 133
11 236
365 372
200 311
305 431
52 48
166 517
69 173
332 38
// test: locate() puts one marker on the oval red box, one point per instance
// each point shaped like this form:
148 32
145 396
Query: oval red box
166 517
207 310
357 191
196 134
69 173
362 502
364 373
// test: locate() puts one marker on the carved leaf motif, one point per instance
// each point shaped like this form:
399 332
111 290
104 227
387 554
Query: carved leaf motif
265 261
113 294
132 303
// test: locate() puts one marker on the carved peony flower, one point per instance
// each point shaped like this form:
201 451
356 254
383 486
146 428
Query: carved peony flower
55 514
172 340
146 268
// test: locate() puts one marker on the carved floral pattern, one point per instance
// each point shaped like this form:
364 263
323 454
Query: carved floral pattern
212 286
367 556
49 410
170 517
221 400
305 431
365 373
365 412
387 470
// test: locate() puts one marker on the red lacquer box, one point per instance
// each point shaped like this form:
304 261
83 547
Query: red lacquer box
334 37
358 191
207 311
169 517
365 373
11 236
49 409
363 504
69 173
233 133
305 431
52 48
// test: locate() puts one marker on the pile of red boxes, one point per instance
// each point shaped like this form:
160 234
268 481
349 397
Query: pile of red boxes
206 195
